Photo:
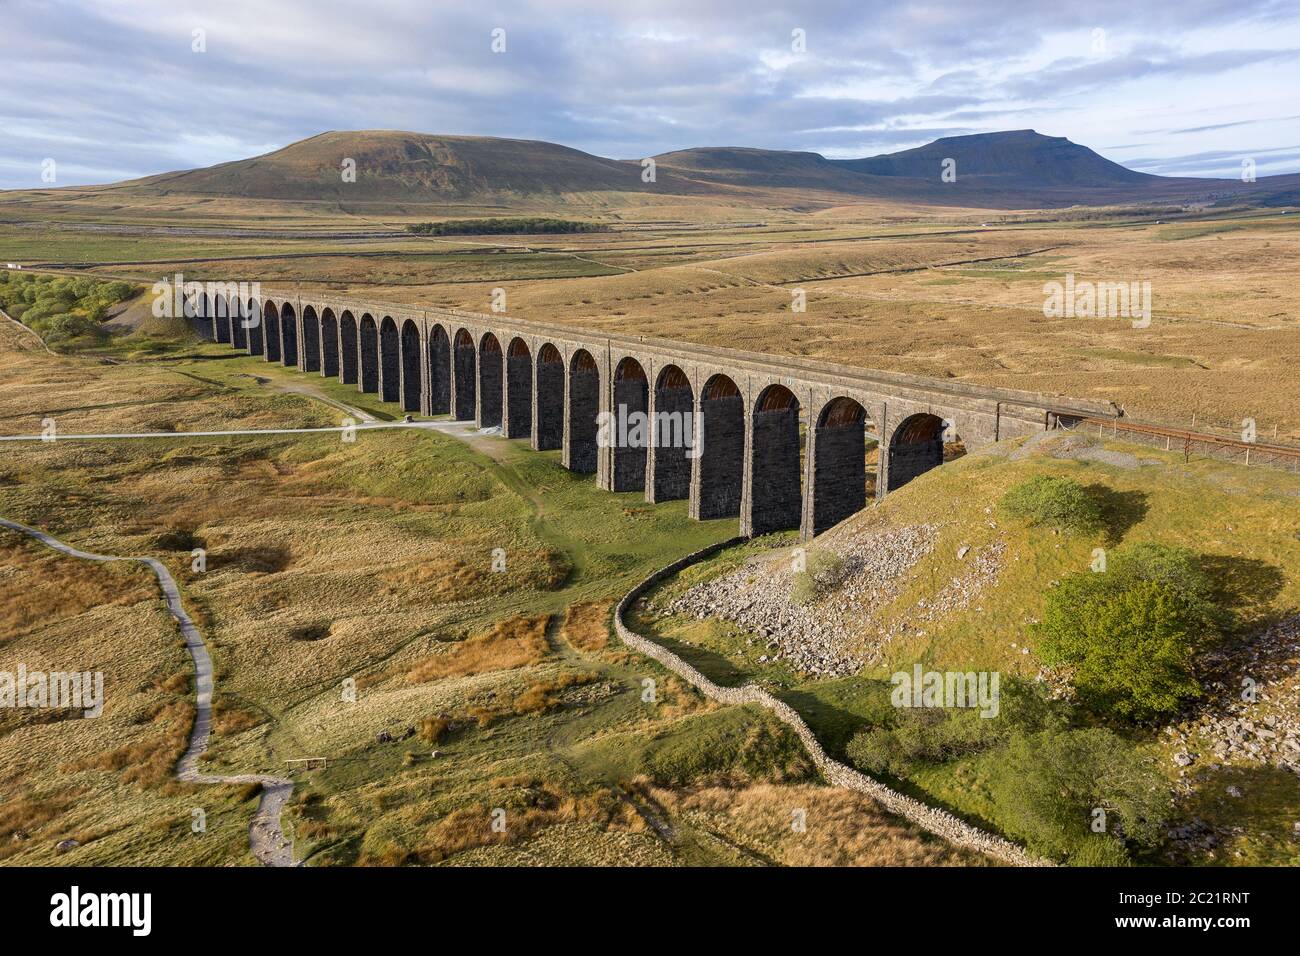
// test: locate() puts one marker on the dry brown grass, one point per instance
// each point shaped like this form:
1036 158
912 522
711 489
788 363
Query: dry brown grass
531 806
586 626
446 578
230 718
544 696
512 643
149 762
56 587
24 816
843 828
432 729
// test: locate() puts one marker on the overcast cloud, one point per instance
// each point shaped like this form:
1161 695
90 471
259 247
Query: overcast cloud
113 89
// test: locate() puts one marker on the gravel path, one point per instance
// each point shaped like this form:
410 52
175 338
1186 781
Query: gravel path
265 835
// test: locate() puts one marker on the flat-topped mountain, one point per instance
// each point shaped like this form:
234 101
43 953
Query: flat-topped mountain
1017 157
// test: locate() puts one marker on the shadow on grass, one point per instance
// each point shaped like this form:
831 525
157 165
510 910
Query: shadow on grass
711 664
1252 825
267 558
1120 510
1245 586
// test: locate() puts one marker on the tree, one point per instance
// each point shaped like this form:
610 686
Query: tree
1080 793
1055 502
1131 633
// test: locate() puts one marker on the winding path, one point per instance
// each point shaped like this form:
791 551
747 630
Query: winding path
265 835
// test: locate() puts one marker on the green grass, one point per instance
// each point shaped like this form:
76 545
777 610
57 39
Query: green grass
1235 518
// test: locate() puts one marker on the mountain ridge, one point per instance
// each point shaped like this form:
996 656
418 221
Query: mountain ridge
1008 169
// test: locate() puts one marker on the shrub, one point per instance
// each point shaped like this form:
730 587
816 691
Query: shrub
933 735
1050 785
1131 633
534 225
823 568
65 326
1055 502
921 735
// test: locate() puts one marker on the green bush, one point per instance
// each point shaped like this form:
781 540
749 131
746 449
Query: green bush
932 735
922 735
62 328
823 568
61 308
1055 502
1132 632
1049 786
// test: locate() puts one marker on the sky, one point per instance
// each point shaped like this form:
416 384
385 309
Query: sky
115 89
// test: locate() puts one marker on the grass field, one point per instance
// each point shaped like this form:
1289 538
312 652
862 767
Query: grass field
945 292
372 562
330 563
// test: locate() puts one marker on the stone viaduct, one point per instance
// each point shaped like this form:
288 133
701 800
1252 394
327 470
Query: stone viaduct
778 442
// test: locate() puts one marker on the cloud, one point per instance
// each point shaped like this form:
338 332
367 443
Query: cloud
113 89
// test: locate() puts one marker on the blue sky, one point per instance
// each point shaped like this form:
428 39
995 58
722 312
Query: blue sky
112 89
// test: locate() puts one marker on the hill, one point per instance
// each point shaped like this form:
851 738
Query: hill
1016 169
407 167
1020 157
939 575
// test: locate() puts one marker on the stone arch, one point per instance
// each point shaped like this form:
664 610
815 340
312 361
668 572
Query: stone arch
439 371
205 318
255 331
717 491
629 426
310 340
390 361
289 334
329 344
271 332
584 407
466 362
916 446
839 464
411 367
221 319
489 381
519 390
775 496
368 349
674 435
349 349
548 432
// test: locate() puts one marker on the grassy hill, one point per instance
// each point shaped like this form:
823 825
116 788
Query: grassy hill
408 167
938 575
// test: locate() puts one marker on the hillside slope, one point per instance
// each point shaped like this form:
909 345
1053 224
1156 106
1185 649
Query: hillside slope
409 167
938 576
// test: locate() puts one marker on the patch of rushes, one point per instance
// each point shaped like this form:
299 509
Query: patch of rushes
586 625
516 642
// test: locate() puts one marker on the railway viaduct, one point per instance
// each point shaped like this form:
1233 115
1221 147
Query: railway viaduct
778 442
